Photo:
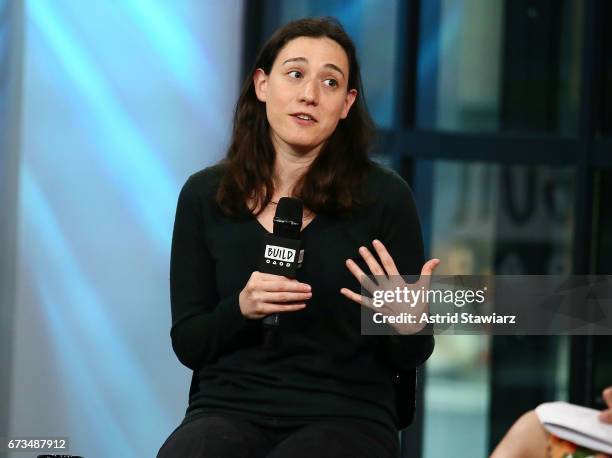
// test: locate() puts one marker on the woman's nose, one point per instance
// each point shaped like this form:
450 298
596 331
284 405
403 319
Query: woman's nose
310 92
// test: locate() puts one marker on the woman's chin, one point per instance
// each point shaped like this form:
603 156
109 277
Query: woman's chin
303 146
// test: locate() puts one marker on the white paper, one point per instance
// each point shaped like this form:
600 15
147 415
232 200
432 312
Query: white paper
577 424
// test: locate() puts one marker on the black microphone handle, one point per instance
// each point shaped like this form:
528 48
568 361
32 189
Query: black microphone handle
287 230
270 328
272 319
287 224
270 337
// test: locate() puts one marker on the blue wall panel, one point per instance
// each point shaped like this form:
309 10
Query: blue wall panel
122 100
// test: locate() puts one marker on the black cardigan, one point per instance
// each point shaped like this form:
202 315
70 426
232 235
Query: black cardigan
323 367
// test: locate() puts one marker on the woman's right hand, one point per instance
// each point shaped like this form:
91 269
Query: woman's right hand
265 294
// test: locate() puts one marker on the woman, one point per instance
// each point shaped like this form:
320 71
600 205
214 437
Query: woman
528 438
300 129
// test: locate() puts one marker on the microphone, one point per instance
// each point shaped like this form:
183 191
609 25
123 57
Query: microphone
288 218
281 253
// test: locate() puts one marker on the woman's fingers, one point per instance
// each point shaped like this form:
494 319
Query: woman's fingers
365 281
385 258
285 286
268 309
271 282
371 261
284 296
273 277
427 271
361 300
265 294
430 266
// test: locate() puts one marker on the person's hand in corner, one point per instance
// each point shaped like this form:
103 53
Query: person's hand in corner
606 415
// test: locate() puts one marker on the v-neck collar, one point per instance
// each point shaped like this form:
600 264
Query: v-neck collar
302 232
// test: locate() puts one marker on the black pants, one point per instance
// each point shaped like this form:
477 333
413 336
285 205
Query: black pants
227 436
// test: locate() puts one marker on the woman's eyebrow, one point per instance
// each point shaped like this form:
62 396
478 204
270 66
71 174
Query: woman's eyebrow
303 59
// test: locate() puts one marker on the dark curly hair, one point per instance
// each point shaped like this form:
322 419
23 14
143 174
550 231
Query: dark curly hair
334 181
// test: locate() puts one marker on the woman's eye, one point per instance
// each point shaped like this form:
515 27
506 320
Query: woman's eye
331 82
296 73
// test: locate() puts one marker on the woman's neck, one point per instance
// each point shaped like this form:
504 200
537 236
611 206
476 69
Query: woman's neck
289 167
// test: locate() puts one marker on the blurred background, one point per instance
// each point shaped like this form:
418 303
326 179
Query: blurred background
497 112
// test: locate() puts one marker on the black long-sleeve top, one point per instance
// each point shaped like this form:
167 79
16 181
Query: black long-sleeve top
322 367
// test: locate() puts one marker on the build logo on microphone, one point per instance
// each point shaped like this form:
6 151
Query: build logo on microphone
278 255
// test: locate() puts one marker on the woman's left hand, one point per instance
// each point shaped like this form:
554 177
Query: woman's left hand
388 279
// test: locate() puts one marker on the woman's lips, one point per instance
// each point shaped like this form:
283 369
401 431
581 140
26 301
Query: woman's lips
303 122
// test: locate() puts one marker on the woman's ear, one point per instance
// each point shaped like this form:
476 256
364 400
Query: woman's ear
260 81
348 102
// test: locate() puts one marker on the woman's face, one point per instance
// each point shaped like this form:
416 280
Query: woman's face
306 93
